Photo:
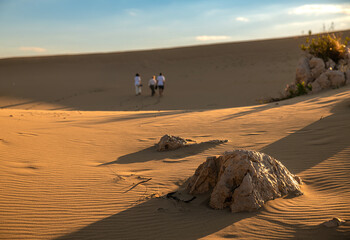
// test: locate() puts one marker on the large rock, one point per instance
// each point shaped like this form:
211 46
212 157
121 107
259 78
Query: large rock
317 66
243 180
316 87
169 142
303 73
347 77
336 78
322 81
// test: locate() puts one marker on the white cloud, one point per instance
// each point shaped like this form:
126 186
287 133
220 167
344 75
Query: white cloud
318 9
132 12
33 49
211 38
242 19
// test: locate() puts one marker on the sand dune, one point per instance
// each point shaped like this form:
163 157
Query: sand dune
70 173
202 77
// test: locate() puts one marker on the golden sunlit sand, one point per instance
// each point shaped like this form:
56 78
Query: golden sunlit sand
77 146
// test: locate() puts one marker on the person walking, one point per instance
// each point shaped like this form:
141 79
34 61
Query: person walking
138 84
160 83
152 84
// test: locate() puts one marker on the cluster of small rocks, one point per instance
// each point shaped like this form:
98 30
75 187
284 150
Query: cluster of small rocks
318 74
243 180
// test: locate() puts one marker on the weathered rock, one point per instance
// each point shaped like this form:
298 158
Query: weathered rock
169 142
330 64
342 65
316 87
335 222
347 77
317 67
347 54
242 180
323 82
336 78
303 73
205 176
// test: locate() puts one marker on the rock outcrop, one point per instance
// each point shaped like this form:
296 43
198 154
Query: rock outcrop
303 73
242 180
315 74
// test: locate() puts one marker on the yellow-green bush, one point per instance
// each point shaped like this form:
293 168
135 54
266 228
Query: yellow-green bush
326 47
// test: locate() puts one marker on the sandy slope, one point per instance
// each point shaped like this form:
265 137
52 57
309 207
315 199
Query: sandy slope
70 174
73 174
202 77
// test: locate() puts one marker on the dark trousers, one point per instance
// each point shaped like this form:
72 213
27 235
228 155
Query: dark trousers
152 89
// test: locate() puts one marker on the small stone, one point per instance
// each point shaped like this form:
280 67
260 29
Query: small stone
335 222
169 142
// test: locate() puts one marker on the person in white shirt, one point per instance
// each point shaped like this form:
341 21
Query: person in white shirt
160 83
138 84
152 84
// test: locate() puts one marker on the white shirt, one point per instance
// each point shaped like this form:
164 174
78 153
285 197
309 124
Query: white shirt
161 80
137 80
152 82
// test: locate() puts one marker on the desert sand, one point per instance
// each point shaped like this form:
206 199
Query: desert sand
77 146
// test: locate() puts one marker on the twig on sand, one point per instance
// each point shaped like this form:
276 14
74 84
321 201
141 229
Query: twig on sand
172 196
144 181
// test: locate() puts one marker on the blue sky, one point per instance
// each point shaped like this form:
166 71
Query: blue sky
50 27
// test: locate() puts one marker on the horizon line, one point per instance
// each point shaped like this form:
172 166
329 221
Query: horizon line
168 48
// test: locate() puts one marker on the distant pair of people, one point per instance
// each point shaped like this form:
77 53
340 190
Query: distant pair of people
154 83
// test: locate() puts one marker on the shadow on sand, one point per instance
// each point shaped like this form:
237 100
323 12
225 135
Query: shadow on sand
150 153
314 143
160 219
154 219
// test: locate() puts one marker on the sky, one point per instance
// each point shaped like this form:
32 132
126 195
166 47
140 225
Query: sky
53 27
